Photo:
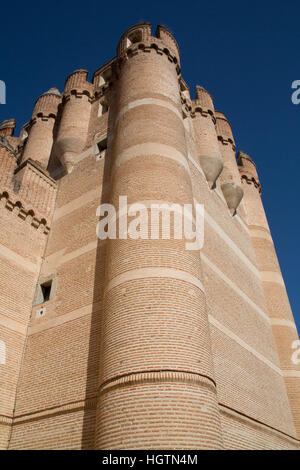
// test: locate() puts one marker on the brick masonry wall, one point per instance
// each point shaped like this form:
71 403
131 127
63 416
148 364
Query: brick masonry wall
22 243
142 344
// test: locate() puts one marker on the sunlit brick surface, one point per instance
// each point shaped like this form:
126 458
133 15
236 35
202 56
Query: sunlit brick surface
142 343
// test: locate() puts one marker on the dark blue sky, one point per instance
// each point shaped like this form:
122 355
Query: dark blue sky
246 53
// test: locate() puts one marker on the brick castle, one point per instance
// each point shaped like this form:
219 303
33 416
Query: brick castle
138 344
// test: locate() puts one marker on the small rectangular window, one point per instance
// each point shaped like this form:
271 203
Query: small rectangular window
103 108
102 145
46 290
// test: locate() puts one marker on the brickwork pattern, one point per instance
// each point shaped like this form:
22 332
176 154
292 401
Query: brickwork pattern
142 344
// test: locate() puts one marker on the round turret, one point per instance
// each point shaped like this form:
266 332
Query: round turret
74 122
223 127
7 127
204 99
40 129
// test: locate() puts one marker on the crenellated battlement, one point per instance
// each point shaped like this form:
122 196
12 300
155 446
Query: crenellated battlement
203 104
46 105
65 125
224 130
26 186
248 171
77 85
138 39
24 213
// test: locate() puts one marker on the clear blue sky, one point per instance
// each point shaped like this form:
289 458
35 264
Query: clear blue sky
246 53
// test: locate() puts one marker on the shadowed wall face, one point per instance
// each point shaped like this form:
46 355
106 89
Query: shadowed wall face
282 321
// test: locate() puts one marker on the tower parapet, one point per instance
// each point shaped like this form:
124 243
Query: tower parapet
7 128
209 154
168 39
74 122
138 38
40 130
248 171
230 178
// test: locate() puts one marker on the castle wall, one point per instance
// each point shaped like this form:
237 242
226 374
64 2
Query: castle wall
277 302
58 382
142 344
23 238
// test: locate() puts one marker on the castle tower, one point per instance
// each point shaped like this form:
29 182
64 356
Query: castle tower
40 139
281 317
131 339
156 352
206 138
230 179
8 159
74 122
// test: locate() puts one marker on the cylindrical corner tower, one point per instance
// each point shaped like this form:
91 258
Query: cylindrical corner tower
157 387
209 154
40 139
281 317
230 178
74 122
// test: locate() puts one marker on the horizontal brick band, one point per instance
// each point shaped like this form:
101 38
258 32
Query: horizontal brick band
61 319
242 343
148 273
7 420
282 322
254 422
256 233
56 410
231 244
149 149
19 260
12 324
234 287
157 376
295 374
77 203
272 276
